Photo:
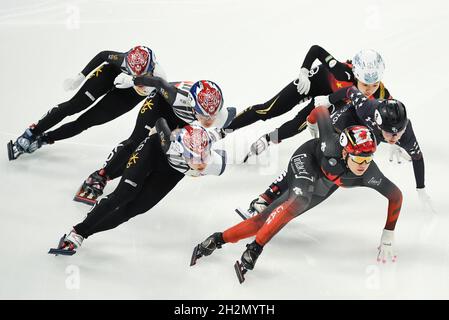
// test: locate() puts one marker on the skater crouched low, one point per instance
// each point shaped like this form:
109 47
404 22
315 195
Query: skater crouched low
317 168
154 169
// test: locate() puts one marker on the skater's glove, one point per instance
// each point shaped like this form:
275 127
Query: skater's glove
260 145
164 133
216 134
425 200
263 142
398 153
124 81
322 101
303 85
386 251
73 83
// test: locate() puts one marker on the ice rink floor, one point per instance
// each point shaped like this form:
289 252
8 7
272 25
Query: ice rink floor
252 49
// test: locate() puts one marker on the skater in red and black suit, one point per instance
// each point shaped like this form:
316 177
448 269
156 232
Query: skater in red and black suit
103 70
317 168
386 118
365 71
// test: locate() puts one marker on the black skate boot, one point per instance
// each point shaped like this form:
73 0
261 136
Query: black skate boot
249 258
206 247
92 188
255 207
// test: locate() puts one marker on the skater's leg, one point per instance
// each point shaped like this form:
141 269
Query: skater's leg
149 161
101 81
151 110
284 101
281 103
115 103
294 199
155 188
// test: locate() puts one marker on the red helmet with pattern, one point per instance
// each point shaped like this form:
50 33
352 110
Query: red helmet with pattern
358 140
195 143
206 98
140 60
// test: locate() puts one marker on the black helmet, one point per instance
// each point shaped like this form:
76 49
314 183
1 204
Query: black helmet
391 116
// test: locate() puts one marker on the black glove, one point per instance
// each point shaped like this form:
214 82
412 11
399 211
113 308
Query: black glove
164 133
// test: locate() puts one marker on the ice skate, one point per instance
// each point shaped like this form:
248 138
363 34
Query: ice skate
92 188
206 247
28 142
248 259
68 244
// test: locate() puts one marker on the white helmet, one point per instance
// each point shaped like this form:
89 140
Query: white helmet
368 66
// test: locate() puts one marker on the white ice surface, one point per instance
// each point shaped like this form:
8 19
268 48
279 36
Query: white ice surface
252 49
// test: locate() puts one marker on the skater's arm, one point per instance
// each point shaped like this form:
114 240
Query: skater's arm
410 144
216 134
164 134
362 104
167 90
316 52
418 170
104 56
336 67
325 127
339 95
295 125
376 180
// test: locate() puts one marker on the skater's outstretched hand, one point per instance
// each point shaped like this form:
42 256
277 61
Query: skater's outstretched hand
124 81
398 153
425 200
73 83
262 144
303 85
386 250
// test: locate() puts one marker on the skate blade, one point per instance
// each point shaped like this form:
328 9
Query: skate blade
81 196
240 271
87 201
195 255
10 147
61 252
241 214
247 157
